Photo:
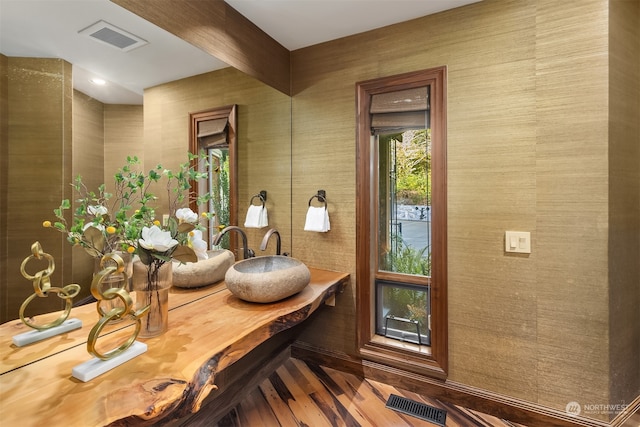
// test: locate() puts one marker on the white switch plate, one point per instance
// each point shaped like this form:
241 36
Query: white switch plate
518 242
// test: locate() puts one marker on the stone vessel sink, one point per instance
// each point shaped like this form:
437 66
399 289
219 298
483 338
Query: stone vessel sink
267 278
203 272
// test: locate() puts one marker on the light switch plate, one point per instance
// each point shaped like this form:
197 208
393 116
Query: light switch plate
517 242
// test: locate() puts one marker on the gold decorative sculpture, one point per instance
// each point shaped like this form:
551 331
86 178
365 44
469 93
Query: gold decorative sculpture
115 313
42 287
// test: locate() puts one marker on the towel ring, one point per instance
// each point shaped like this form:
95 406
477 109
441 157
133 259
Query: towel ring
262 196
321 196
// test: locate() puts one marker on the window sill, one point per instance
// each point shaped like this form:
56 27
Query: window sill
423 350
405 356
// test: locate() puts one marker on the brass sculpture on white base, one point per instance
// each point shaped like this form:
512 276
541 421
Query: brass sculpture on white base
116 313
41 288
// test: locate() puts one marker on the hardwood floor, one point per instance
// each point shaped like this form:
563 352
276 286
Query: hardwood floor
305 394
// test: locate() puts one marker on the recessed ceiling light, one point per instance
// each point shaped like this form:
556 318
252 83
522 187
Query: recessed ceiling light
97 81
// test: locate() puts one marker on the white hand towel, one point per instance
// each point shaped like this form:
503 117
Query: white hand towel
317 220
256 217
264 218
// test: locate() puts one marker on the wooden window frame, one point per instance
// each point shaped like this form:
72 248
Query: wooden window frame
436 363
230 112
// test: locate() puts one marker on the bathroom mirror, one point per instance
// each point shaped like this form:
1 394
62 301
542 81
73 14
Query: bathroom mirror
263 158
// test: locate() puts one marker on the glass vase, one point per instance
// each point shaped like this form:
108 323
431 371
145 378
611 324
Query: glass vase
115 280
151 284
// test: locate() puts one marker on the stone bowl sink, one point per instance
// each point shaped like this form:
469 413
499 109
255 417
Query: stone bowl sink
267 278
204 272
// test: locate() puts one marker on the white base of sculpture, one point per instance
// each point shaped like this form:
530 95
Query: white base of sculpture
92 368
35 335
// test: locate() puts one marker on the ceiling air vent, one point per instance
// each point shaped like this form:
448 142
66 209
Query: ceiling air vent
113 36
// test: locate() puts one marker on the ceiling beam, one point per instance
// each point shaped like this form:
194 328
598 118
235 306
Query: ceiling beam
220 30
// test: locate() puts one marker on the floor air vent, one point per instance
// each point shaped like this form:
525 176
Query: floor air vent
417 409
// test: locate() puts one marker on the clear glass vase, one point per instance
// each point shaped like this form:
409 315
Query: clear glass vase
115 280
151 284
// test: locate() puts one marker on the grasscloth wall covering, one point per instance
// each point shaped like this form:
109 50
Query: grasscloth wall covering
624 197
123 136
4 176
88 161
39 140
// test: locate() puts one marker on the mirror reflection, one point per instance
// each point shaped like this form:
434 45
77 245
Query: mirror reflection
214 133
78 135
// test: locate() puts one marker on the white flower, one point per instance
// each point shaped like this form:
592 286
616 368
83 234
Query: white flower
97 210
90 224
186 215
155 239
198 245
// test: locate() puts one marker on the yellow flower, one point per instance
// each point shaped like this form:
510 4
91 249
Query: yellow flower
156 222
111 229
131 249
46 224
221 227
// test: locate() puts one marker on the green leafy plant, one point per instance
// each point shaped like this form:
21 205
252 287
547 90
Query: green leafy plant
413 163
220 194
405 259
105 222
102 222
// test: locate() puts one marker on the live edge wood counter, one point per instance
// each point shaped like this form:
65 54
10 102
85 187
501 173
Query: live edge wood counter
209 330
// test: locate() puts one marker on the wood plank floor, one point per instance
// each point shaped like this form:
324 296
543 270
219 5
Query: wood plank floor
305 394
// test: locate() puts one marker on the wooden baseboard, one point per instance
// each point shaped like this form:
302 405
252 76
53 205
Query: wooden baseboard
516 410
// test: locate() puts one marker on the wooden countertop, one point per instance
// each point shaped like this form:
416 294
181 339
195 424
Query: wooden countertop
209 329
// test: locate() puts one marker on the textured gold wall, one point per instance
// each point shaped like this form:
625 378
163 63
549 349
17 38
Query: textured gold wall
88 161
123 136
39 160
4 175
624 198
571 203
527 150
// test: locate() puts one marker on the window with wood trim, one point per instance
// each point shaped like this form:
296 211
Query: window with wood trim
214 132
401 212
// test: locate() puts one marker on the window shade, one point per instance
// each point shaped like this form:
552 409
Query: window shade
213 133
400 110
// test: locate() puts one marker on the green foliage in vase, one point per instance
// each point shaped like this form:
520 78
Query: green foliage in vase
104 222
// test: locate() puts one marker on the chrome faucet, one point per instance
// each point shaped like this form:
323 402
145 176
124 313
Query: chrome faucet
248 253
265 240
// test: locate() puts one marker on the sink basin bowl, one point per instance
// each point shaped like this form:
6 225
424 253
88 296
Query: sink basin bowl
267 278
203 272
